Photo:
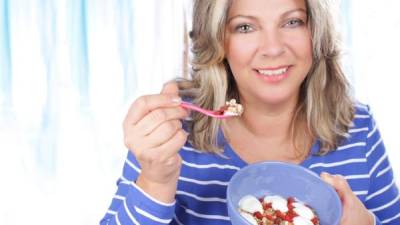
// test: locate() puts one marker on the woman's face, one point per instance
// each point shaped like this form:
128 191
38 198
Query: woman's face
268 47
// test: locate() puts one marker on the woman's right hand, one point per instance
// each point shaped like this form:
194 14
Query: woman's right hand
153 133
354 211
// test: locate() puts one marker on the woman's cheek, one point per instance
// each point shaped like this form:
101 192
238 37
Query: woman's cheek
241 49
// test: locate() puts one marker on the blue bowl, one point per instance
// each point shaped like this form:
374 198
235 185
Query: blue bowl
286 180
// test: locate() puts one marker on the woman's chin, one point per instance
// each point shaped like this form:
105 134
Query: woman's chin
277 100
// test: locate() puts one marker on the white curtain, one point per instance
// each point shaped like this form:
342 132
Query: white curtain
373 34
69 70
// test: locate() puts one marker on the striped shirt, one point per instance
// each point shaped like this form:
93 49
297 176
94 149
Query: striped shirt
201 193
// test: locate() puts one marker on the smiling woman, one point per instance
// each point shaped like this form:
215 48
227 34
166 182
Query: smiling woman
281 60
70 69
269 54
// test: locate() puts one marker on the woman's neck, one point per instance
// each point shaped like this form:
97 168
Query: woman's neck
267 120
265 131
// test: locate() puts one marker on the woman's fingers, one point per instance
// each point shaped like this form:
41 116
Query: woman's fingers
153 132
152 120
162 133
171 147
339 183
354 212
160 155
157 117
170 88
145 104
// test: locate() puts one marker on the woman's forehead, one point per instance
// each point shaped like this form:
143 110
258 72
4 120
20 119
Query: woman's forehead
263 7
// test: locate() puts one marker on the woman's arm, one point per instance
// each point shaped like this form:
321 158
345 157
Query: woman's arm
131 205
383 198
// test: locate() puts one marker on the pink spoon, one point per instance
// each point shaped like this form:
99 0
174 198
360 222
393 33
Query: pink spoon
220 113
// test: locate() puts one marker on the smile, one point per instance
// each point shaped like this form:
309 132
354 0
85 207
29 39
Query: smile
273 72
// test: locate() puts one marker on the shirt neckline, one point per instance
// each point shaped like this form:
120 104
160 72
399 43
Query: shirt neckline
238 161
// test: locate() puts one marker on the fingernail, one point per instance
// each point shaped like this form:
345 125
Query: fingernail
339 176
177 100
326 175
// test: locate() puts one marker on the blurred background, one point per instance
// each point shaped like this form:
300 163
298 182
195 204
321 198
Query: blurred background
69 69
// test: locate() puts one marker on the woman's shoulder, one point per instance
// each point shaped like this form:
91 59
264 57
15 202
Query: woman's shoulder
361 108
362 131
362 116
359 129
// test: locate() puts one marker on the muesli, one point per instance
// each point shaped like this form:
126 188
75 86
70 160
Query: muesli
276 210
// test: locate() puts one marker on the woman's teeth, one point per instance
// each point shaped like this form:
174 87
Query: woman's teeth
273 72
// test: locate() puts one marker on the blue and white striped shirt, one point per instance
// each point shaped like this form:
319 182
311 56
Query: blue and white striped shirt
201 193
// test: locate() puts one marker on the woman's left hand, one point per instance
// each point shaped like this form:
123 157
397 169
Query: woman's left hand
354 212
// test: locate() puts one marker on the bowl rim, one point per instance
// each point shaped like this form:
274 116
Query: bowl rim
337 200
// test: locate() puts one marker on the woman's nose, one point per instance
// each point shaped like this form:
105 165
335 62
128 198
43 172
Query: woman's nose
271 44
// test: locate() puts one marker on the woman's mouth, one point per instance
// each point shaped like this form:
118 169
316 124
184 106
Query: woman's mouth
273 74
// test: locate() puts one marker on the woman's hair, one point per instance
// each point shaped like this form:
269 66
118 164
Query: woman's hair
325 107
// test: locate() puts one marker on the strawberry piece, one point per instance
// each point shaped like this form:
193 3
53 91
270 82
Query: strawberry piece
290 200
315 220
280 214
288 218
291 215
267 206
269 217
277 221
258 215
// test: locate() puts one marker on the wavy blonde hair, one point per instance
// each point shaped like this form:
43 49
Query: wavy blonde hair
325 106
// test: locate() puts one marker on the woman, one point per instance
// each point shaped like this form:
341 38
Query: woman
279 59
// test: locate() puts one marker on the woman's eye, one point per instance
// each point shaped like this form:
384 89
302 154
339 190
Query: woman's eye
244 28
294 23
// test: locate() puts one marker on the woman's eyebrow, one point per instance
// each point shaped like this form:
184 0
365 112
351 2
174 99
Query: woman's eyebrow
241 16
301 10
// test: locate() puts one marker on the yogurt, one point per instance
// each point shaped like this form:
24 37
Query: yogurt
276 210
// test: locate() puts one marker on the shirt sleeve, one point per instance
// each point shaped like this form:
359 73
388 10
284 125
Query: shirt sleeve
131 205
383 198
